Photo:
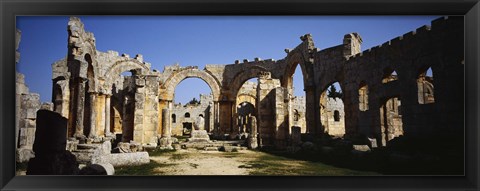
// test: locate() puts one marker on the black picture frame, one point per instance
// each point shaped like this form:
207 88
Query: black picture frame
9 9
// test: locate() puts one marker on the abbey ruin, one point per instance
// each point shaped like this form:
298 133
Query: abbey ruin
387 92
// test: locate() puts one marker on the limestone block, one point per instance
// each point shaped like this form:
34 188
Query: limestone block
47 106
363 148
126 159
228 148
72 145
24 155
122 148
199 136
373 142
166 143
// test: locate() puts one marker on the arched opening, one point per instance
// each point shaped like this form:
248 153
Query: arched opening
122 105
298 104
390 120
116 115
296 115
425 86
389 75
336 116
189 106
245 107
174 118
363 96
89 104
332 113
58 99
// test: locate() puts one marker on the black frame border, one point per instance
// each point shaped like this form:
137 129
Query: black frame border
9 9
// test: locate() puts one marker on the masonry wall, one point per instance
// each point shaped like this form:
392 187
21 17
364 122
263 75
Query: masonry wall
87 74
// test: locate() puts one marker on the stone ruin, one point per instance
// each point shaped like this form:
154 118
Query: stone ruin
387 92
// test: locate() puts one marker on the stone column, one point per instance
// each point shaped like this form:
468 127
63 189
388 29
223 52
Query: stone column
80 108
166 140
107 116
252 138
216 117
93 116
310 112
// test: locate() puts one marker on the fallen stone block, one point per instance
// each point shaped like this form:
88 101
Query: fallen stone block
123 159
229 149
363 148
211 148
98 169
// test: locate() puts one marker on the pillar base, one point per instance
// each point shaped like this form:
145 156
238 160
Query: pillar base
252 143
166 143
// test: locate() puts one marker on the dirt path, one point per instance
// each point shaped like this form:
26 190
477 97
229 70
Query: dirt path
198 162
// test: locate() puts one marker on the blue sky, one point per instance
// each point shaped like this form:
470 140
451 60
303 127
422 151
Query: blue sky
197 40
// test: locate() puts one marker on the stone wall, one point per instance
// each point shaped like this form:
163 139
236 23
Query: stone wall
299 113
87 74
194 110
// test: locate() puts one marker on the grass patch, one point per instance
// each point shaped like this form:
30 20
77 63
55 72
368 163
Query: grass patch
146 169
268 164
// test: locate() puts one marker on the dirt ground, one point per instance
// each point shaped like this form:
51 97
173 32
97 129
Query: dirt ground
199 162
243 162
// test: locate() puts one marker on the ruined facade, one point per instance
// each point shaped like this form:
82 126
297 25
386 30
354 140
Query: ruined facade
185 117
26 107
90 91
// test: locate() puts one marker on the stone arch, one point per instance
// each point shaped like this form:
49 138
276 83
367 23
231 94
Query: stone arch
363 96
176 78
91 74
292 62
119 67
389 75
241 77
425 86
391 122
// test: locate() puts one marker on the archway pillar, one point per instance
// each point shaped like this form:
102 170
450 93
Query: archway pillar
80 98
310 110
107 116
93 115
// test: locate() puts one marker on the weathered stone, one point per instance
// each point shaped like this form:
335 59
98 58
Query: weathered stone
98 169
373 143
363 109
362 148
124 159
56 163
24 155
47 106
296 136
122 148
228 149
50 134
211 148
93 169
199 136
72 145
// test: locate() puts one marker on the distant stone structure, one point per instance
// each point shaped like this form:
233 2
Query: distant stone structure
387 91
184 117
